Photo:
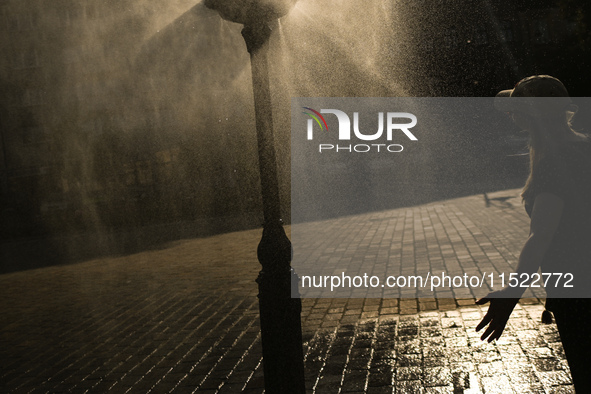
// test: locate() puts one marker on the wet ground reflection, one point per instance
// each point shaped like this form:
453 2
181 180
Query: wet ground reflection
436 352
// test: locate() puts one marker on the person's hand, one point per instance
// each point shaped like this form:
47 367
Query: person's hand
497 315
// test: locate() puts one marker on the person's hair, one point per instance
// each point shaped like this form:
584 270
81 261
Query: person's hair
546 135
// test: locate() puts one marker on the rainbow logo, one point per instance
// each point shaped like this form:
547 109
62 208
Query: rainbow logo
316 115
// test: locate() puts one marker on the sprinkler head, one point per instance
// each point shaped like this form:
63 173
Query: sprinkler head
250 12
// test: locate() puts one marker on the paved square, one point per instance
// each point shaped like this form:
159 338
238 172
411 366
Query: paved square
184 318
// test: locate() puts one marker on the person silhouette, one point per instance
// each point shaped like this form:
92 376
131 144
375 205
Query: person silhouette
557 197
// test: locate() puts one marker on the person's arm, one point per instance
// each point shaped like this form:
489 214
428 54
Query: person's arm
545 218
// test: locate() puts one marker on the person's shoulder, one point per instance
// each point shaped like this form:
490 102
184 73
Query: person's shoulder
552 174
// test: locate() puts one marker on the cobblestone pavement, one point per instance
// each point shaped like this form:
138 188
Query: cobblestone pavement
184 318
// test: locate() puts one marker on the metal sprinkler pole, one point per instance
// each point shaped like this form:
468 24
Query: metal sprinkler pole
280 314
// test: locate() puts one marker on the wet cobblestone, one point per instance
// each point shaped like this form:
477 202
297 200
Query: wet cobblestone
184 318
439 352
